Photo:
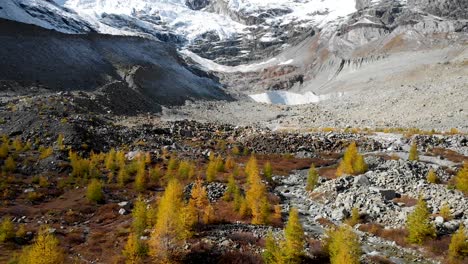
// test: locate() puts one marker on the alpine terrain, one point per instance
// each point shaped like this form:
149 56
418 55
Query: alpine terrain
234 131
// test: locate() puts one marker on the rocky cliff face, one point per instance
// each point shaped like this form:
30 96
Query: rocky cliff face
456 9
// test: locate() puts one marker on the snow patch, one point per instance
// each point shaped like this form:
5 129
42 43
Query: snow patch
285 98
286 62
290 98
209 65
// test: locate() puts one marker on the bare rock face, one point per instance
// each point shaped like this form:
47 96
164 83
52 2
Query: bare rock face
361 4
456 9
197 4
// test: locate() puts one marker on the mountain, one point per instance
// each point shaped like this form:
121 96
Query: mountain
321 47
150 72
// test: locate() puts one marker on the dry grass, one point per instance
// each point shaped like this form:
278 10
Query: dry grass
398 235
328 172
406 200
449 155
234 257
325 222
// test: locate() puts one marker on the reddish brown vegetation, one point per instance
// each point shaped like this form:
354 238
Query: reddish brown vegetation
449 155
397 235
406 200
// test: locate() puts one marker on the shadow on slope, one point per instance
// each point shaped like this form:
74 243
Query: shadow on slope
151 71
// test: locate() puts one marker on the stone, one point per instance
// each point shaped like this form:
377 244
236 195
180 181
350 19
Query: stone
361 180
439 220
123 204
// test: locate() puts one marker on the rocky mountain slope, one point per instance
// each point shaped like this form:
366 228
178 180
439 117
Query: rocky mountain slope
148 71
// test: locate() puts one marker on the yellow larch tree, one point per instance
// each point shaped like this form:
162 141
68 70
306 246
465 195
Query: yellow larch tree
173 221
352 163
45 250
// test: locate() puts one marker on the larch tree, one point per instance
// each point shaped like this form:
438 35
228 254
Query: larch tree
199 200
445 212
231 189
94 191
432 177
211 171
268 171
458 248
257 199
172 227
141 176
312 178
110 162
251 168
294 238
352 163
419 224
343 246
7 230
413 152
45 250
134 250
461 179
139 214
272 253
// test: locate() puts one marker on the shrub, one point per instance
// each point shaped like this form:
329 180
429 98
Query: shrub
461 179
219 164
172 164
4 149
10 164
60 144
230 164
235 151
277 212
432 177
134 250
140 178
445 212
110 162
45 152
155 174
18 145
94 191
45 250
123 176
231 189
245 151
413 152
458 248
312 178
186 170
268 171
419 225
7 230
80 166
354 218
352 163
343 246
211 171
